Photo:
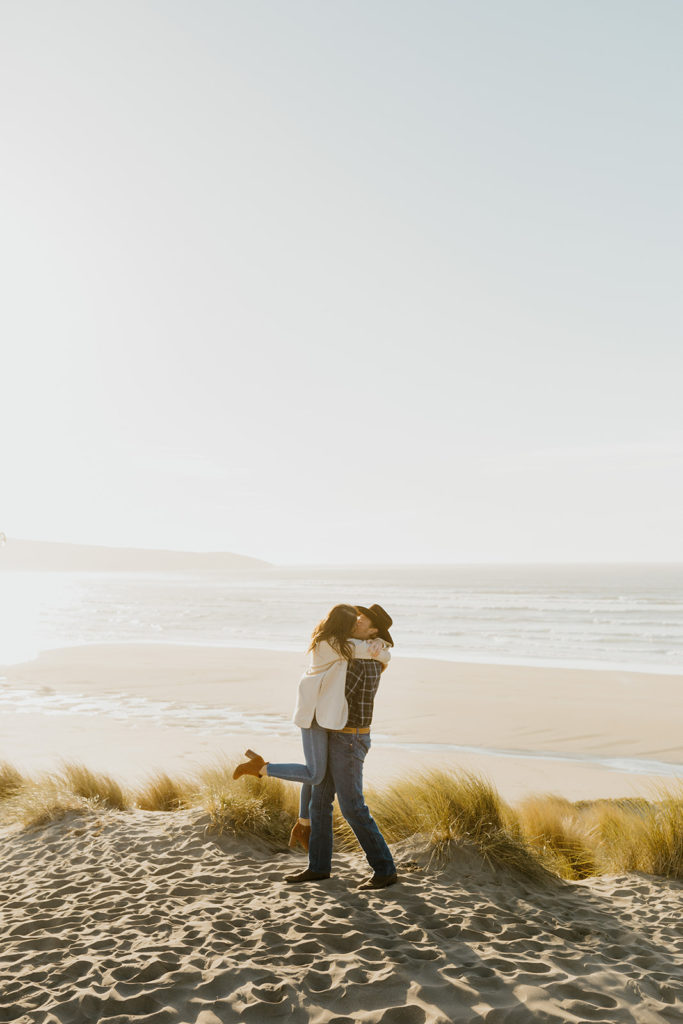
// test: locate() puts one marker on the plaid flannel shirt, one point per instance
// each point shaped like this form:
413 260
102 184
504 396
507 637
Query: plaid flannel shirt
362 680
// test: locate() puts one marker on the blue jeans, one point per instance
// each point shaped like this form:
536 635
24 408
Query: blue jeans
314 742
344 777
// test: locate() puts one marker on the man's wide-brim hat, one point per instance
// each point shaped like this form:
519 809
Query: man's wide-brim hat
380 619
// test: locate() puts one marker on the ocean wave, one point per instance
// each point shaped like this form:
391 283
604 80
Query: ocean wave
487 614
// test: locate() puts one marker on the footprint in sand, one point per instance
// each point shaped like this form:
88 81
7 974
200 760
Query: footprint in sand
403 1015
318 981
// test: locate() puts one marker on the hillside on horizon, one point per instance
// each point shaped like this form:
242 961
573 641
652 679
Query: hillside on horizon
17 554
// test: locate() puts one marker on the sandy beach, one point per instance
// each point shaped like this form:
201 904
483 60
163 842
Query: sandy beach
148 916
131 709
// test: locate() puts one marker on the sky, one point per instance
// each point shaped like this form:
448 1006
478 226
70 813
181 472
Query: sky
343 283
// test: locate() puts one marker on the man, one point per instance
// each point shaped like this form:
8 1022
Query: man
346 752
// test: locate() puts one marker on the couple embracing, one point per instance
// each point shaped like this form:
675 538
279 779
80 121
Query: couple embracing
349 650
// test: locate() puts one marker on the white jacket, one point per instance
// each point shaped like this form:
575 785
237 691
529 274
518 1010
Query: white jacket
321 687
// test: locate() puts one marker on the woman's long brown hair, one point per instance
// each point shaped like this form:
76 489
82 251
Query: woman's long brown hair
336 628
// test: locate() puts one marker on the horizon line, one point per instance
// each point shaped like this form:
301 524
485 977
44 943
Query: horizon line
581 562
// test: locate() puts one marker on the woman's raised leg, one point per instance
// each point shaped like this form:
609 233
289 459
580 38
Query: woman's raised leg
314 742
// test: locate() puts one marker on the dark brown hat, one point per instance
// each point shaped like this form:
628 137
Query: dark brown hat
380 619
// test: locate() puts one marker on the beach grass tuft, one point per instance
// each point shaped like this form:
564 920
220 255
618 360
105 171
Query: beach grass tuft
11 781
560 835
265 808
447 810
95 787
162 793
662 835
41 801
450 808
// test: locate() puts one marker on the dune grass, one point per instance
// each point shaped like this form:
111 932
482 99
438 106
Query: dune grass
93 786
448 808
162 793
266 808
11 781
560 835
663 836
577 840
543 834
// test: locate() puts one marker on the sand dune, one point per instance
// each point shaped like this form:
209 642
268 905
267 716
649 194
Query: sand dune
145 916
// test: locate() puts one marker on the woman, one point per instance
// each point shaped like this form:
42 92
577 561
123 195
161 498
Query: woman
321 705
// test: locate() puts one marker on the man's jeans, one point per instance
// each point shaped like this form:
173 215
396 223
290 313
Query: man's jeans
344 776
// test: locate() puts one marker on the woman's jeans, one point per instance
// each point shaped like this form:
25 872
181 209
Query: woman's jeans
315 751
344 776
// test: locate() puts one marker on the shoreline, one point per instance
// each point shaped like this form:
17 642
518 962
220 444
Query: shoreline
470 658
211 719
135 708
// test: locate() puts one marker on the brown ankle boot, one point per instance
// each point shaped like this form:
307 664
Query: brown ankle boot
251 767
300 834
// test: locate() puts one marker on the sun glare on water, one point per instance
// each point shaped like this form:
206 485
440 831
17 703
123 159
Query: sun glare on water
26 600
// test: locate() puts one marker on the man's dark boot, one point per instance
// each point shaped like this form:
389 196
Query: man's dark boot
379 882
306 876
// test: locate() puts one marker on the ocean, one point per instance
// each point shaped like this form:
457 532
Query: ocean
604 616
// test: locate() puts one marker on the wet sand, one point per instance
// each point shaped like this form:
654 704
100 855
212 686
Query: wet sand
132 709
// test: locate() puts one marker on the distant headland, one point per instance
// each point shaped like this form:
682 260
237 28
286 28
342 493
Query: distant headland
48 556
